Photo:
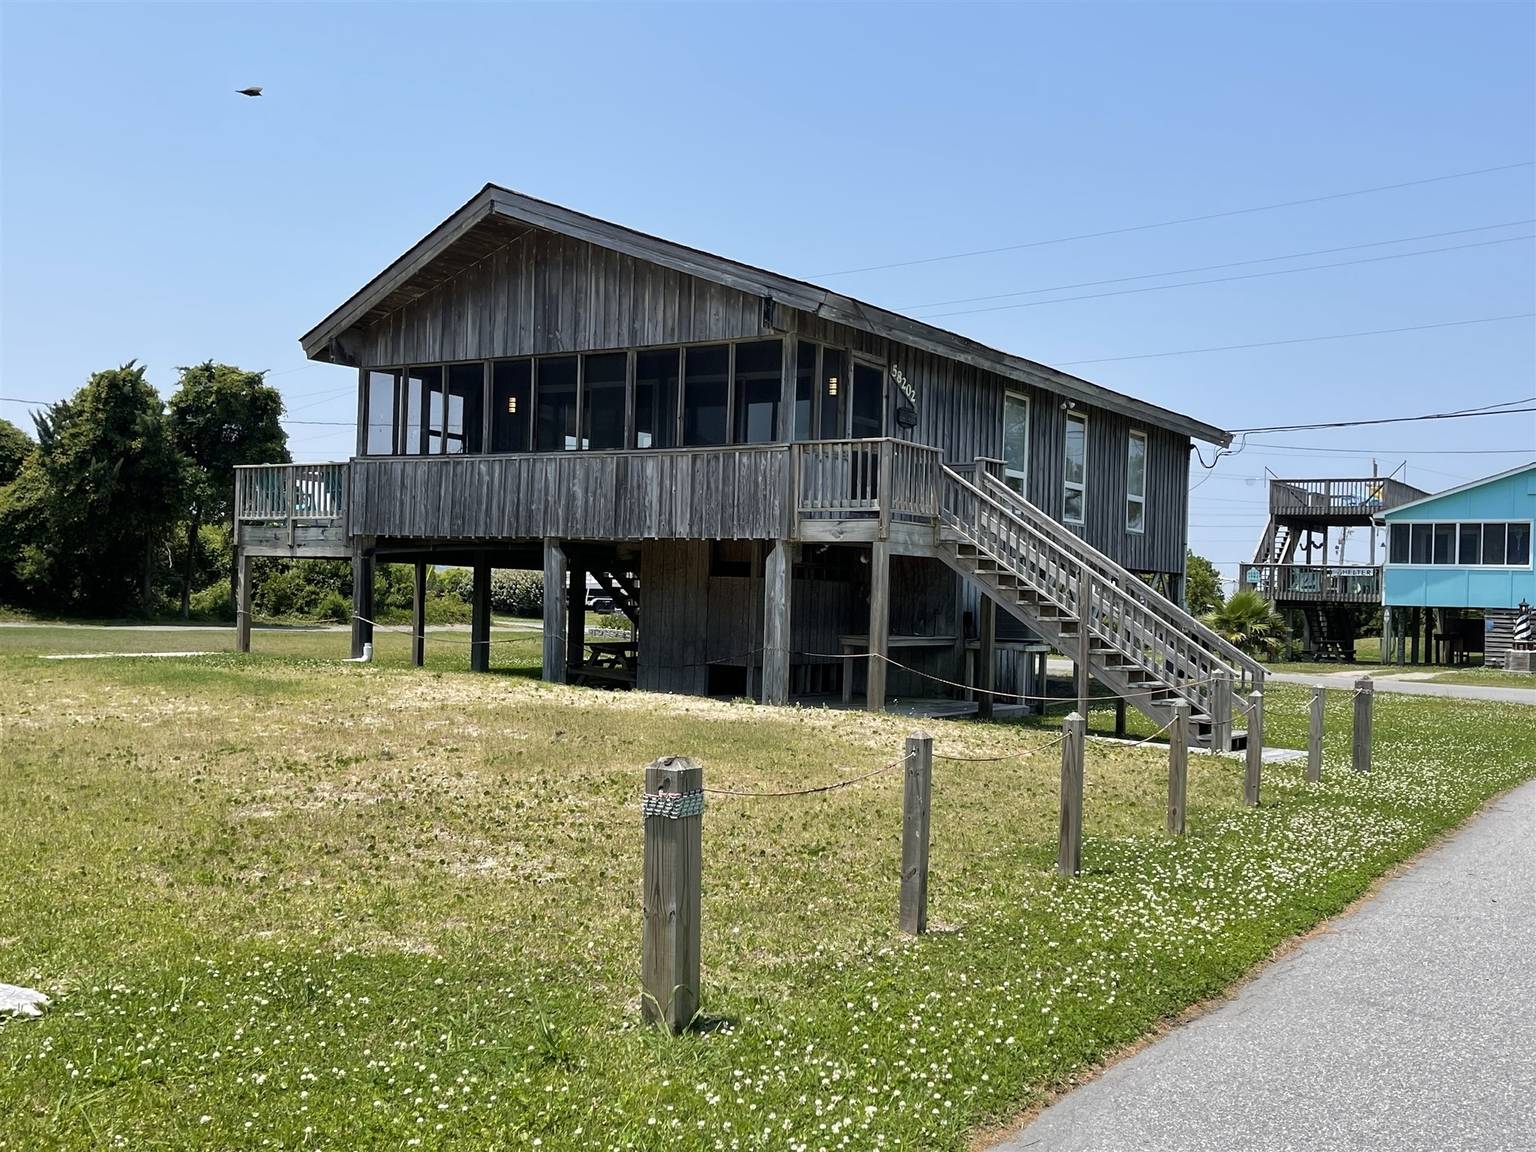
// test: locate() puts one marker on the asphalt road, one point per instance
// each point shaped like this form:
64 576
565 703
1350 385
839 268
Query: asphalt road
1409 1025
1412 687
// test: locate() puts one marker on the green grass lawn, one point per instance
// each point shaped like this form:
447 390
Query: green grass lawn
287 902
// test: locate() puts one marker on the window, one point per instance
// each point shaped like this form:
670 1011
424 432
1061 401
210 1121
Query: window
1493 543
1075 469
1016 441
805 390
834 392
464 414
555 425
1518 545
380 413
602 400
1136 483
511 404
1419 551
757 385
866 417
656 380
705 372
1445 544
423 386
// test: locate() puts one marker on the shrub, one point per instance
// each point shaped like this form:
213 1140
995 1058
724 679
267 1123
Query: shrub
214 602
517 592
333 606
614 621
447 610
454 583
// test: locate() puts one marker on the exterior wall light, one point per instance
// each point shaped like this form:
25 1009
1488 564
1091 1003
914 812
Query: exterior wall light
512 405
831 385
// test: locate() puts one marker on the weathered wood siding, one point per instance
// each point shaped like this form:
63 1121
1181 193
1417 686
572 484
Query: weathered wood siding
545 293
702 494
674 587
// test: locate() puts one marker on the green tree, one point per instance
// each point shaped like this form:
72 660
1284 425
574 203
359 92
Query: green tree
84 515
220 416
1250 622
15 447
1202 585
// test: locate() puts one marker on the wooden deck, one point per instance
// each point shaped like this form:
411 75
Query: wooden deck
1313 583
1334 501
298 511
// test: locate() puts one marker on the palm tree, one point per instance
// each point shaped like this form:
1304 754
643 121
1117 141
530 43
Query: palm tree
1250 622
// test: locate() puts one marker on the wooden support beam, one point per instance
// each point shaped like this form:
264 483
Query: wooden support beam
1084 640
480 618
419 616
1221 712
242 601
362 599
1120 717
554 611
914 833
1178 766
778 586
1254 758
986 659
1069 852
673 876
575 616
879 623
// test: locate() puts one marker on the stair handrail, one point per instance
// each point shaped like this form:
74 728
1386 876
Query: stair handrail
1197 669
1244 667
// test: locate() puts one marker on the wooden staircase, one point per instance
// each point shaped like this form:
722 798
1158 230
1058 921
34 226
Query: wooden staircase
623 588
1133 640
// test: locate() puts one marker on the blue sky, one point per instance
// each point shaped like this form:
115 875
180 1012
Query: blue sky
149 212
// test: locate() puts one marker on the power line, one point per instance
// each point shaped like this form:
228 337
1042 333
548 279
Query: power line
1299 340
1179 220
1500 410
1214 267
1230 279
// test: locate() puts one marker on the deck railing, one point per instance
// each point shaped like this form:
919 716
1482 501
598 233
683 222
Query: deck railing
1363 497
1320 583
845 480
271 493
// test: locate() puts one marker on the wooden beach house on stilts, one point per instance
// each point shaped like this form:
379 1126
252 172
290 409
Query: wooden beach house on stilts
791 493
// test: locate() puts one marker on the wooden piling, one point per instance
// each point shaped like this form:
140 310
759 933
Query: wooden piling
1315 709
914 833
1365 692
1254 758
1069 854
419 616
1221 712
1178 766
243 602
673 874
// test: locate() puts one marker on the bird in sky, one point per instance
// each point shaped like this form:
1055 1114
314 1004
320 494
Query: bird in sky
252 91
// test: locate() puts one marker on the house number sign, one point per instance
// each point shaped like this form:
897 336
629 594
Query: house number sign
906 413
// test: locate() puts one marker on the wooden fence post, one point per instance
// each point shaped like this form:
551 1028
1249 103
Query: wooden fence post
1255 749
1221 712
1365 690
1315 735
914 833
1069 855
673 870
1178 766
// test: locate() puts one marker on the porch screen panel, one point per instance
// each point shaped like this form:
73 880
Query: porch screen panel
656 384
758 386
867 417
1518 545
1445 544
834 393
705 394
464 415
511 405
1493 543
805 390
423 395
602 400
555 425
1397 548
1471 545
381 402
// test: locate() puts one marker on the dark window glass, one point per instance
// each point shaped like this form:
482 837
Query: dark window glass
1397 550
380 440
511 395
424 404
1493 543
758 387
805 390
465 417
1421 551
656 399
834 393
704 394
1470 545
602 400
867 418
555 428
1518 544
1445 544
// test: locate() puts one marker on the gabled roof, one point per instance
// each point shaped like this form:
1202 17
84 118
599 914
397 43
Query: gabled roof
496 215
1469 486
